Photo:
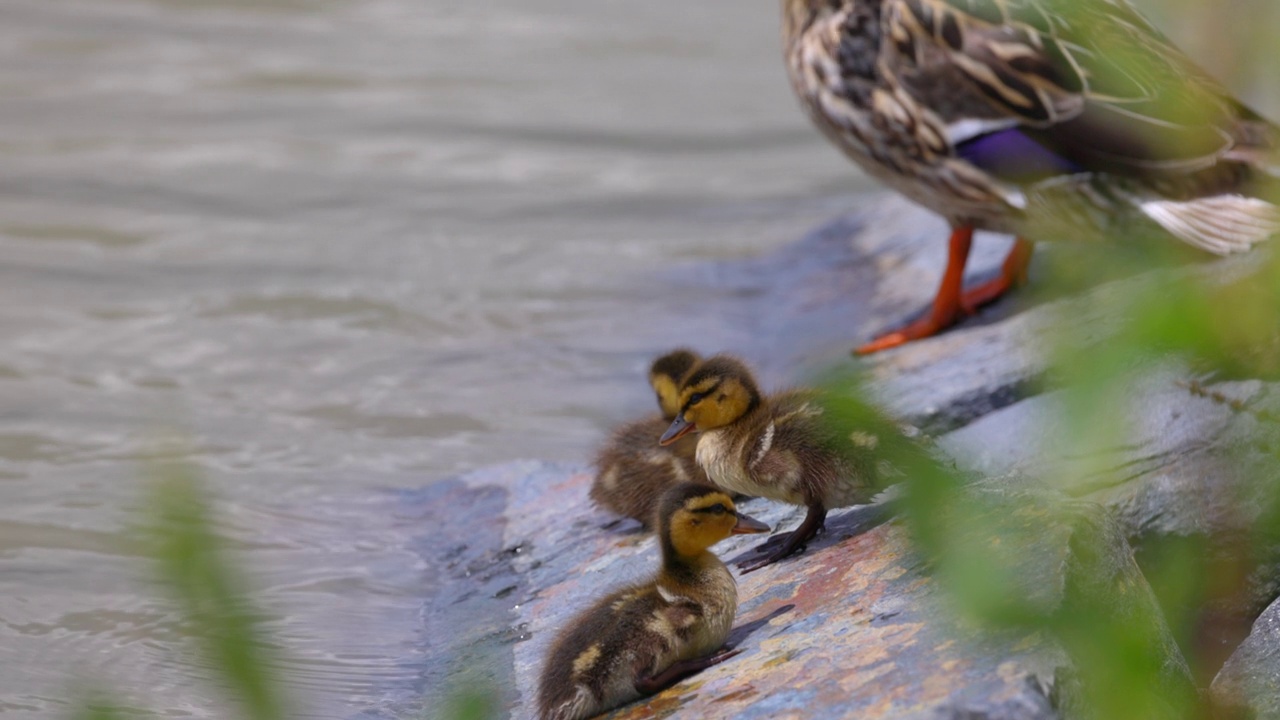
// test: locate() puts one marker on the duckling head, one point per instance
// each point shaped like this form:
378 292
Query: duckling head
665 376
717 393
694 517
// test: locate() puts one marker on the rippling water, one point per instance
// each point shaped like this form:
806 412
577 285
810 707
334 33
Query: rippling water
341 247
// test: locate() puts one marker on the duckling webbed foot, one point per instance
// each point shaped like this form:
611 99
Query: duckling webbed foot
780 539
790 543
651 684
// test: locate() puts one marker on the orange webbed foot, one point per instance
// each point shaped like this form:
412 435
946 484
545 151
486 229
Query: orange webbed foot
952 302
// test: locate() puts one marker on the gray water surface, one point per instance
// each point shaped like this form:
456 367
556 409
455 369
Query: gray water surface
335 248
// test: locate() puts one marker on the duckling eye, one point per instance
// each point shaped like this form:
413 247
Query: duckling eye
696 398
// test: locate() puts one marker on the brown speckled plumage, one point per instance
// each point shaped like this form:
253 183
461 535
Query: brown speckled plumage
632 470
901 86
1071 120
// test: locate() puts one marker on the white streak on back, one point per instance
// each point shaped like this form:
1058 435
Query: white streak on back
765 443
670 596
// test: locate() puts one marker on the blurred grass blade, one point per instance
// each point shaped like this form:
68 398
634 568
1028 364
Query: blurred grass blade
476 703
191 564
97 706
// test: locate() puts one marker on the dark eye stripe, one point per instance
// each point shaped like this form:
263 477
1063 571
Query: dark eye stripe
717 508
698 397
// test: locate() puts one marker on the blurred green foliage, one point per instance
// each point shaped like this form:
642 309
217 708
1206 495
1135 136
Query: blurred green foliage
995 551
473 704
1127 644
191 564
97 706
1234 40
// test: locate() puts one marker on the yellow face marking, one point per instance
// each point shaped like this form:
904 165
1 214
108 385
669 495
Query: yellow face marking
668 394
723 401
586 660
692 531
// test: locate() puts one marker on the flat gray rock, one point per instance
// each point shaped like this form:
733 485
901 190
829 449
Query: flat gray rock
1169 475
853 628
857 627
1250 680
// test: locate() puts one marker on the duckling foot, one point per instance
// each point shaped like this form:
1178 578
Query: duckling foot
780 539
678 671
788 549
792 542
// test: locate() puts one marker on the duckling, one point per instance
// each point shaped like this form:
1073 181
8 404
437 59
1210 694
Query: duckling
632 470
641 639
775 447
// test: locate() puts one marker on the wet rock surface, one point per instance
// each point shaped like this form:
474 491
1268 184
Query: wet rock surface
857 627
854 627
1250 680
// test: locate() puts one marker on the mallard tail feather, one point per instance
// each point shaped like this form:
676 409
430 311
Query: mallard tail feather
1220 224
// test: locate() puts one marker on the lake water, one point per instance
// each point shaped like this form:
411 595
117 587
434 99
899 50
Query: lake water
333 248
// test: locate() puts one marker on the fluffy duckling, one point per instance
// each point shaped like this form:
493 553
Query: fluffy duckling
775 447
632 470
641 639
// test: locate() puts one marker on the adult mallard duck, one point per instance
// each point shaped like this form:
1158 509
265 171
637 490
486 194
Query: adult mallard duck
1045 119
641 639
778 446
632 470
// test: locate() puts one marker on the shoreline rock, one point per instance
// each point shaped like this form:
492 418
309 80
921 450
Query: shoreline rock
857 627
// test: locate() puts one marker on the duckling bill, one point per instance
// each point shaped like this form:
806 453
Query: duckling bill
641 639
776 447
632 471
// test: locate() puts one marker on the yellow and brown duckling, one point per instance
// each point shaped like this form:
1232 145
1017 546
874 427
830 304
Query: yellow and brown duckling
776 447
632 470
641 639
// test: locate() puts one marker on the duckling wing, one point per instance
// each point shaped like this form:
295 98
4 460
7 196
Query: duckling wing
787 456
633 470
836 447
632 634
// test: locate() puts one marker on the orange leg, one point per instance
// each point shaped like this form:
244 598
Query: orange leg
1012 274
952 302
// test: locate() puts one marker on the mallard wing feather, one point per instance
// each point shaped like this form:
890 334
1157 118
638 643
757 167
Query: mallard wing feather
1090 79
1032 89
